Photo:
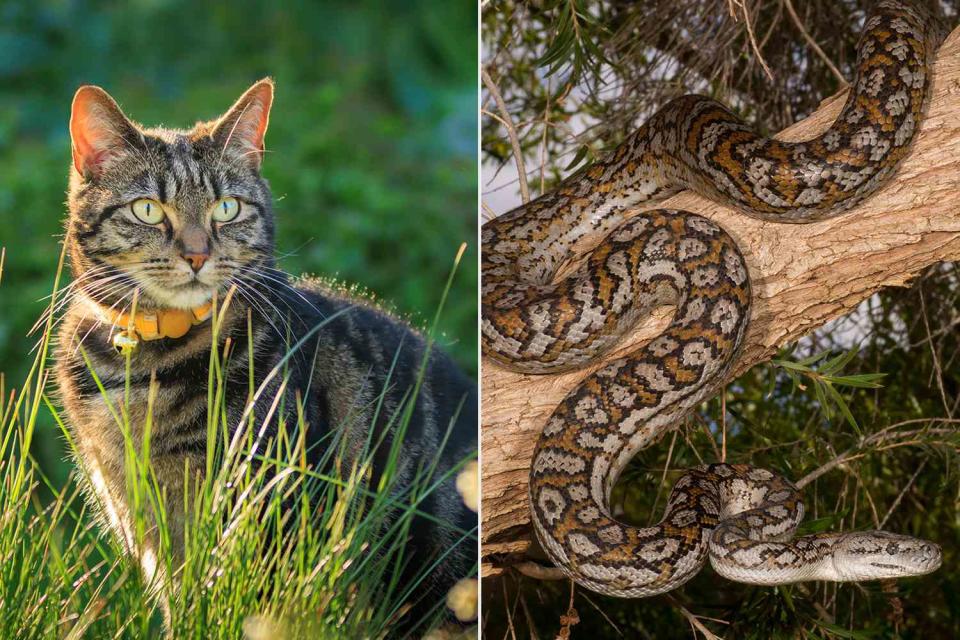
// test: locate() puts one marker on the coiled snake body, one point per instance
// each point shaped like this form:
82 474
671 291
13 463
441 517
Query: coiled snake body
742 517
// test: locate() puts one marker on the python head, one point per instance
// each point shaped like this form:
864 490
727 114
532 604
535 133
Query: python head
876 555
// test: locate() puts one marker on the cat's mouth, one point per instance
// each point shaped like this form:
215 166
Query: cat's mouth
192 285
178 288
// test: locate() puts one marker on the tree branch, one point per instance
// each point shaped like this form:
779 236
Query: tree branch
803 276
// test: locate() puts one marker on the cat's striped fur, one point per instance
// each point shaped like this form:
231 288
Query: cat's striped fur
340 372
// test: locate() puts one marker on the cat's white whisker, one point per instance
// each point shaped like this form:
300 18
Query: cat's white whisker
260 274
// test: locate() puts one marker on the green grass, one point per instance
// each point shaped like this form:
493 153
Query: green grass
251 567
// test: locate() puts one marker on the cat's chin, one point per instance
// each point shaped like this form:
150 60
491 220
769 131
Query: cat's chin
187 296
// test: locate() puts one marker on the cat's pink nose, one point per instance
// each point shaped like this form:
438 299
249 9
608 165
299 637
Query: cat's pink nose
196 260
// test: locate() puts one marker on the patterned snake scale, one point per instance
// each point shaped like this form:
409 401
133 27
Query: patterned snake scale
742 517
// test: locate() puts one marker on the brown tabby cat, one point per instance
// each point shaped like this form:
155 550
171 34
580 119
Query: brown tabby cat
173 217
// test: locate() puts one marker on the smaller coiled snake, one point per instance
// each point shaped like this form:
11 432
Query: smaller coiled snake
742 517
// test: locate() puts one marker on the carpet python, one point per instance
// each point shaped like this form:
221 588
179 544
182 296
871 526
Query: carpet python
740 516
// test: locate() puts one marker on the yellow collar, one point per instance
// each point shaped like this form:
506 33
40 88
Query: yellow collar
153 325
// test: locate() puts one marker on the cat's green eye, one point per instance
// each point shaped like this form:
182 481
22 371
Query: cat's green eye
226 209
148 211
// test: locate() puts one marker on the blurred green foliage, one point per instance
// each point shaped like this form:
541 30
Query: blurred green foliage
371 146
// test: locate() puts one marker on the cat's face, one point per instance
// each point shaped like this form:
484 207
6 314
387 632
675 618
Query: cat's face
172 215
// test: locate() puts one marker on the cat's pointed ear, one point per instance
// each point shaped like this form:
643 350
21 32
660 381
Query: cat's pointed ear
240 130
98 130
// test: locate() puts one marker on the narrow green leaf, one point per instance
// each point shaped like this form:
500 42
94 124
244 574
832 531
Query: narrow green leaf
814 358
861 380
837 363
842 405
793 366
578 157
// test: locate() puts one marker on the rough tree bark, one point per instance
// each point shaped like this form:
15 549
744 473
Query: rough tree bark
803 276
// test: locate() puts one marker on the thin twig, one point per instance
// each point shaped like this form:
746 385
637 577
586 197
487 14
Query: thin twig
531 628
585 595
753 37
695 621
693 447
506 607
876 438
933 354
866 492
813 43
906 488
710 437
663 478
488 213
507 123
723 425
570 619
